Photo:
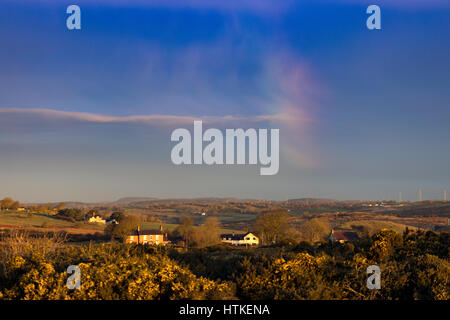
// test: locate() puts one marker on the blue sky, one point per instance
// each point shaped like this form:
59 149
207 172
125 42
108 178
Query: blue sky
87 115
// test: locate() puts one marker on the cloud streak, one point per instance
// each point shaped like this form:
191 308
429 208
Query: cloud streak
153 119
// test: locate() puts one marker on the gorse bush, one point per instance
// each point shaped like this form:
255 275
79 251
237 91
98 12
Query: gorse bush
108 271
414 265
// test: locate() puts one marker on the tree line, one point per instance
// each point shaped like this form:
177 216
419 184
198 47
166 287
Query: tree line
8 203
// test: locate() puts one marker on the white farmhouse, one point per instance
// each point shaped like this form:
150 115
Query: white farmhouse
245 239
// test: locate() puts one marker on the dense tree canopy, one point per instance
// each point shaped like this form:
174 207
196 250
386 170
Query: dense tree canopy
315 230
9 204
72 214
127 225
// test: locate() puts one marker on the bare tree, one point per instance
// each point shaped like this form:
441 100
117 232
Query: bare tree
271 226
208 234
186 230
6 203
315 230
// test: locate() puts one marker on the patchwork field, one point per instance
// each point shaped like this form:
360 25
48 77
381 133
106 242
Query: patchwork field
237 216
50 223
375 225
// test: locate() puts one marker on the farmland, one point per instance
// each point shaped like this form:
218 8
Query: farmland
295 258
237 215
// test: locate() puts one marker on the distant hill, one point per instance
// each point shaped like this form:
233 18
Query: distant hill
205 200
129 200
78 204
312 200
193 201
74 204
69 204
144 201
322 201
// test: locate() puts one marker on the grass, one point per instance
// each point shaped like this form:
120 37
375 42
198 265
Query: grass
155 226
38 220
237 217
375 225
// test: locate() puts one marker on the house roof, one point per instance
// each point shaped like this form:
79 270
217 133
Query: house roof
345 235
234 236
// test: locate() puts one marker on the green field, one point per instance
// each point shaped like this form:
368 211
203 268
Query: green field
235 217
155 226
38 220
376 225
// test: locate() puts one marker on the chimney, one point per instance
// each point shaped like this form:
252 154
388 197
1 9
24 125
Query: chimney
138 229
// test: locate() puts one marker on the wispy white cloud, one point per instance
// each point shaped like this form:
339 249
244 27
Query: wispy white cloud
153 119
